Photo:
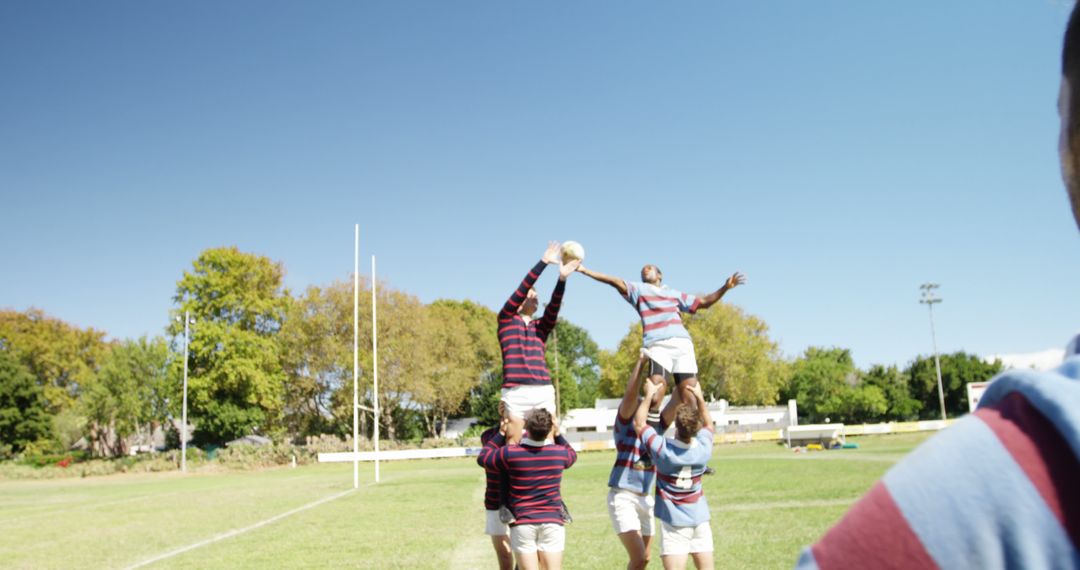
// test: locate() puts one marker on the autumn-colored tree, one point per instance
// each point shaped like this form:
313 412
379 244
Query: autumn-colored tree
736 358
454 367
317 356
63 358
617 364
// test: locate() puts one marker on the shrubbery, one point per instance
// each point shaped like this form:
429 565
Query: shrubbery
239 457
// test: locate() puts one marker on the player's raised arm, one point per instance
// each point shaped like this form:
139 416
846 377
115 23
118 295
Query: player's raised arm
667 415
556 432
633 386
551 312
491 456
615 282
734 281
551 255
641 416
703 408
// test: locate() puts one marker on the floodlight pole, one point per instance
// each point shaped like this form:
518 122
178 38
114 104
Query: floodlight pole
929 299
183 414
356 358
375 363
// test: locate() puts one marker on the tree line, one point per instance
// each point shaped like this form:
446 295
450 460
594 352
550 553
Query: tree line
267 360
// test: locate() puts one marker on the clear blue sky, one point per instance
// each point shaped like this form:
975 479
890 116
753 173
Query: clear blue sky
837 153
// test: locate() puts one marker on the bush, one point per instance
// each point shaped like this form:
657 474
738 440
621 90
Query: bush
474 431
253 457
34 459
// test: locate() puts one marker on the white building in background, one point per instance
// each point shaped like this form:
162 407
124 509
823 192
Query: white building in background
457 427
595 423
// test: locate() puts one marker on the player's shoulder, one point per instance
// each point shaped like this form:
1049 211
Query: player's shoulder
1054 394
488 435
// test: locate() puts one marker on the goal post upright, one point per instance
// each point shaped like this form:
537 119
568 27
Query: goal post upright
375 362
356 359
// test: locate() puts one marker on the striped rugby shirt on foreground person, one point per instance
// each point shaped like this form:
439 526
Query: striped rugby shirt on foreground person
1000 488
535 470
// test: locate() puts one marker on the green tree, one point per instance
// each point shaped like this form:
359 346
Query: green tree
616 365
818 381
957 370
235 382
576 369
736 358
825 383
129 394
23 416
63 358
894 386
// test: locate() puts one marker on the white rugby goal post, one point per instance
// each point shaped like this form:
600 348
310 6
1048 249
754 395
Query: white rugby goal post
356 362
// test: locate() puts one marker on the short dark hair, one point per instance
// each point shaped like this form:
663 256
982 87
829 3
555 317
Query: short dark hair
1070 51
1070 72
687 421
1070 63
538 424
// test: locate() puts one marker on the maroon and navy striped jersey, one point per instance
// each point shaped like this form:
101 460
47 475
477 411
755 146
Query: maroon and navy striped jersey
495 479
524 343
535 473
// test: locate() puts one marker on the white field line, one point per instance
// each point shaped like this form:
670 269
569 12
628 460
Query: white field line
239 531
765 506
808 503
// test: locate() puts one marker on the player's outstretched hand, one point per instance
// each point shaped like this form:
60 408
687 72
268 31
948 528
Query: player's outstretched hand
650 389
695 389
735 280
551 254
567 268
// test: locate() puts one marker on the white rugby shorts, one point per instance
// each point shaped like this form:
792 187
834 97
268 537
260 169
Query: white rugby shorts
675 540
676 355
630 511
520 399
545 537
494 526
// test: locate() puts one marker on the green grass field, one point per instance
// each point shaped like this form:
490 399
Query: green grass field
767 503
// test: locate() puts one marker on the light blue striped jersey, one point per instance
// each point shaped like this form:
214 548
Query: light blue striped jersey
659 308
997 489
680 500
633 469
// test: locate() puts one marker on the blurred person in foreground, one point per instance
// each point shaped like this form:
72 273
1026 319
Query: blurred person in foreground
1000 488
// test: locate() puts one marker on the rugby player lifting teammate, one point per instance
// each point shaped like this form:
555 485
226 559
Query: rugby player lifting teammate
666 341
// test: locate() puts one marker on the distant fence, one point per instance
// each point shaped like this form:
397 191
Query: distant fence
608 443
